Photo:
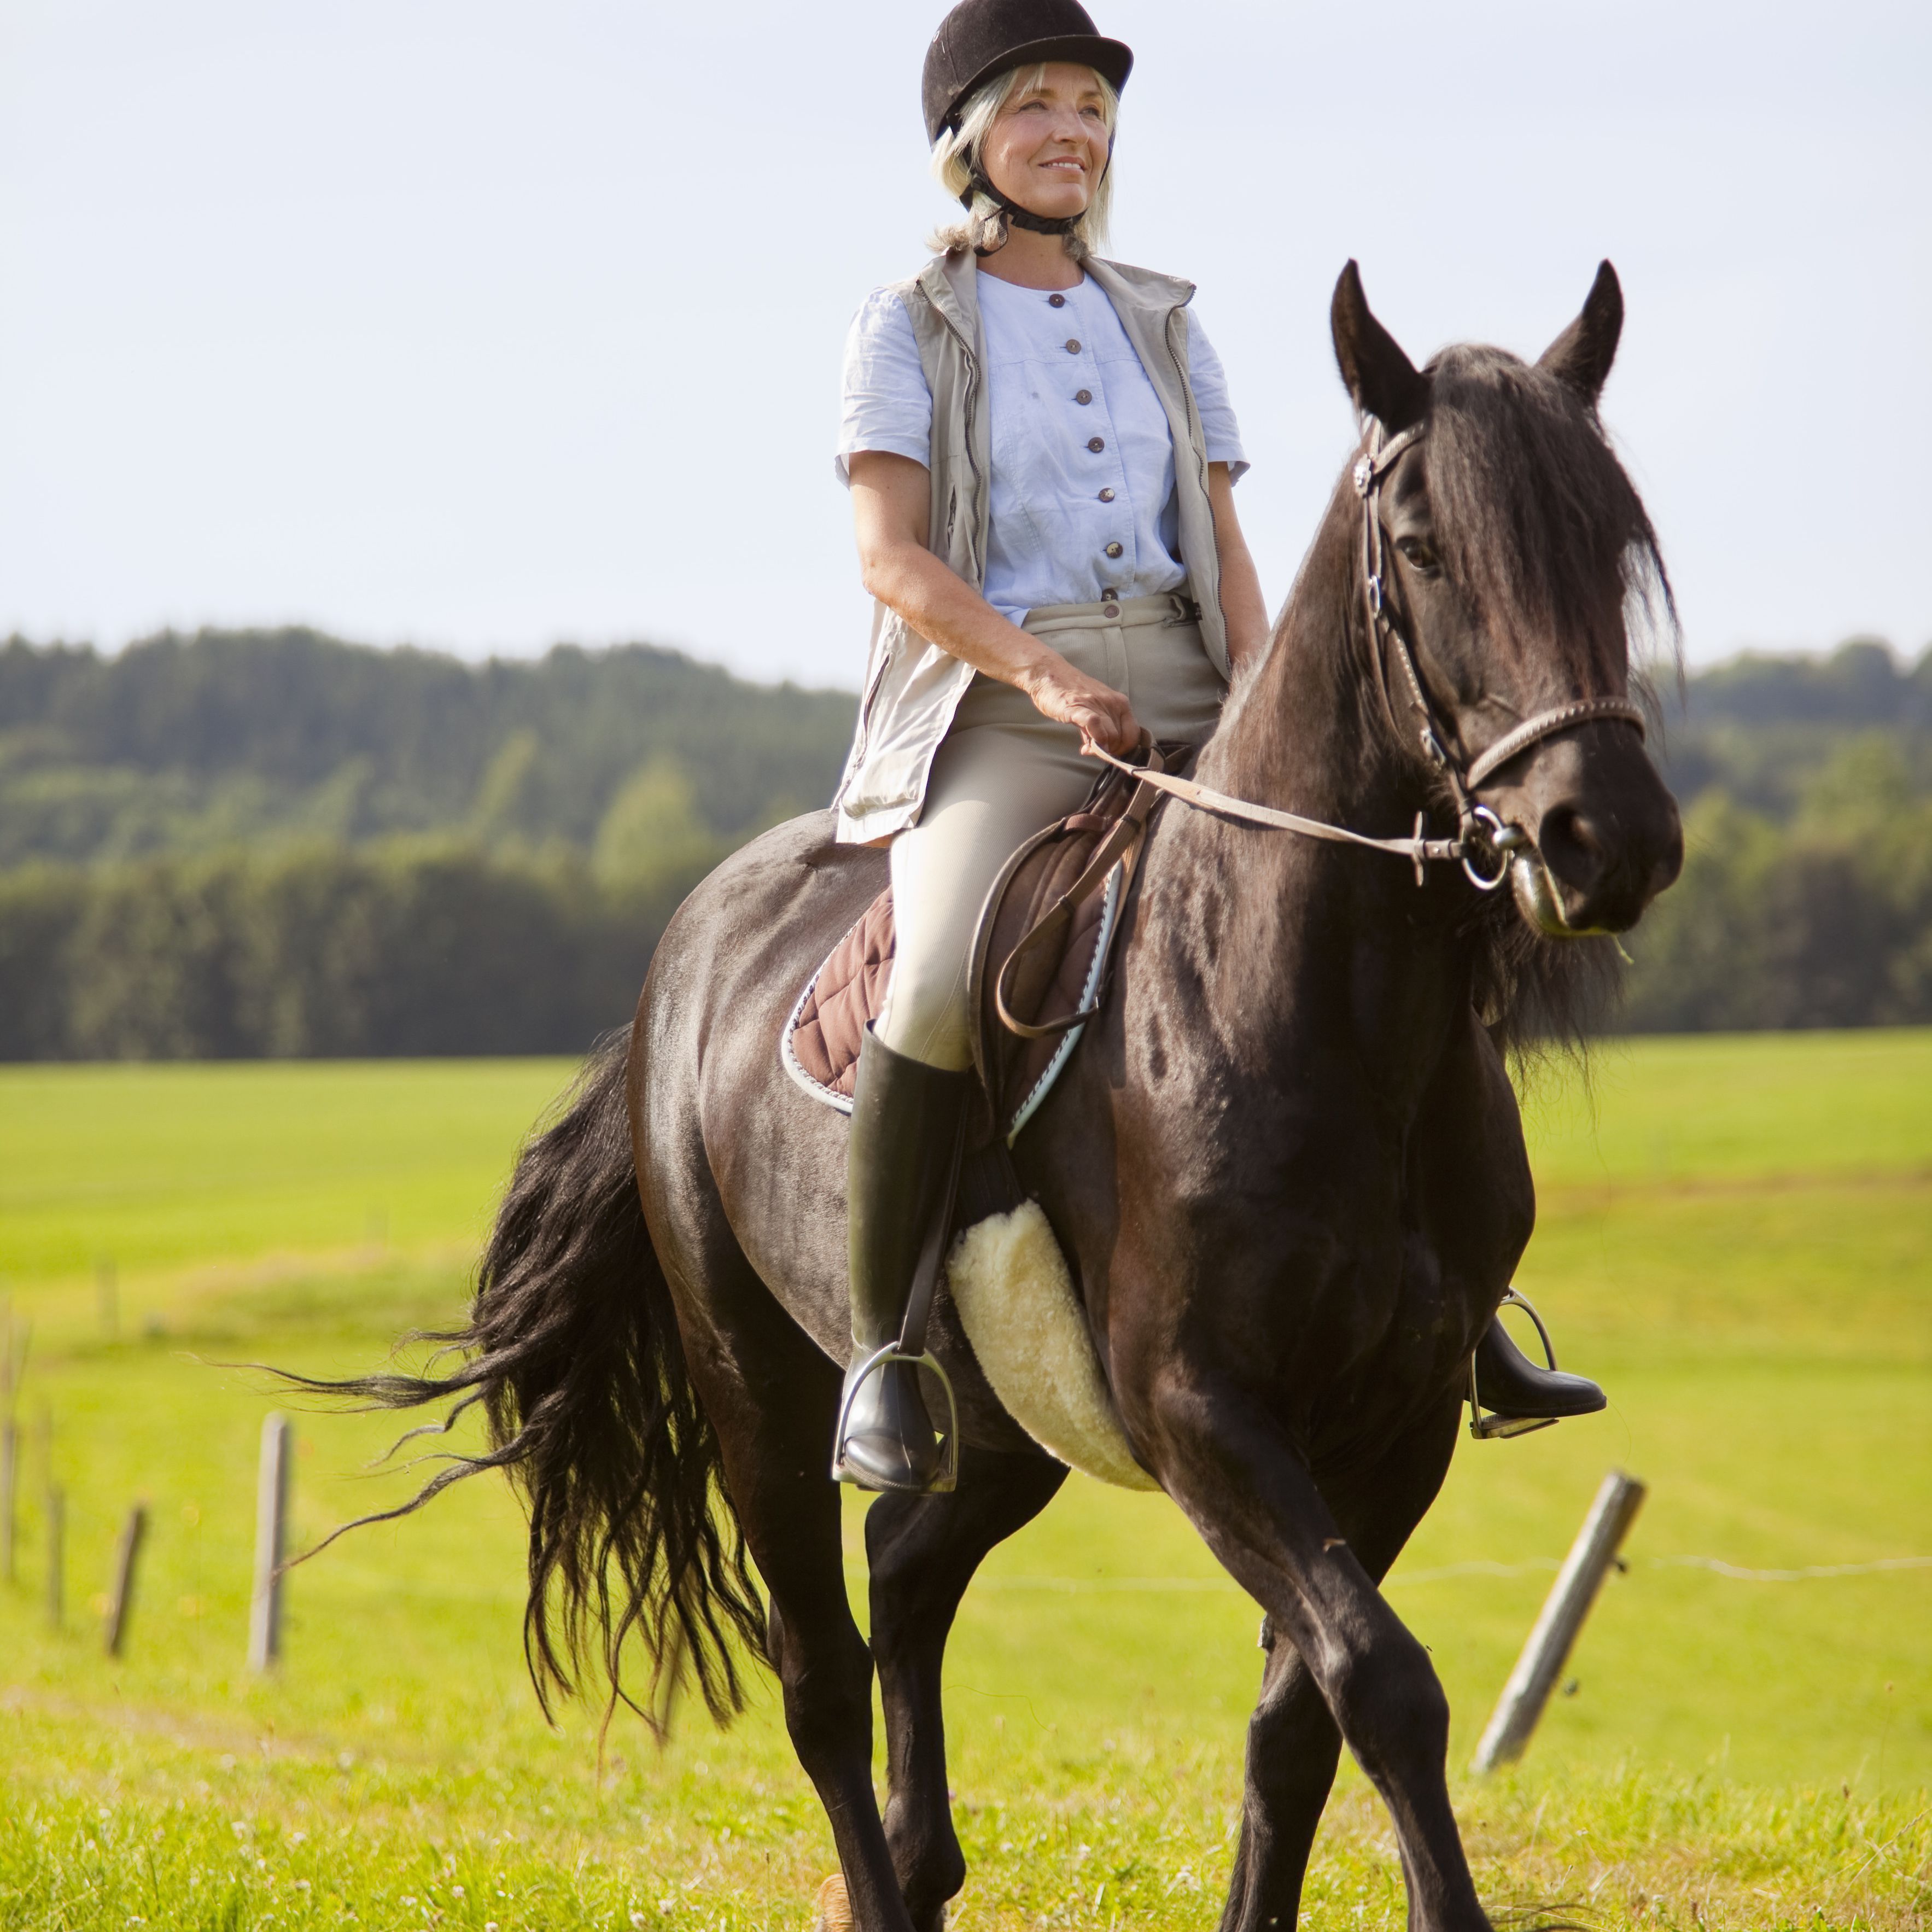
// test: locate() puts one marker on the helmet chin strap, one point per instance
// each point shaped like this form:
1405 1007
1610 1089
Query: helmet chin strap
1018 217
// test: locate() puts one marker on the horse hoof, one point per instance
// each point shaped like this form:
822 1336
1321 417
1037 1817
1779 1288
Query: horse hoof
835 1907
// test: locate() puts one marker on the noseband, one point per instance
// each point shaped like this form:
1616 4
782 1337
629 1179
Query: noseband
1479 833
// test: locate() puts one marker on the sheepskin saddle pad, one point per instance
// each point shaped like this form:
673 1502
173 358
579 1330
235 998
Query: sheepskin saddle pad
1038 968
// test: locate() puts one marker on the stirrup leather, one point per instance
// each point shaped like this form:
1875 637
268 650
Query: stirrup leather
947 1480
1498 1428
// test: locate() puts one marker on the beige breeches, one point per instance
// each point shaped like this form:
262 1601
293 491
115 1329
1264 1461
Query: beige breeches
1004 772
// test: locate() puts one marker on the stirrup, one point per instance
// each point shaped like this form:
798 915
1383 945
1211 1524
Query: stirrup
1498 1428
947 1480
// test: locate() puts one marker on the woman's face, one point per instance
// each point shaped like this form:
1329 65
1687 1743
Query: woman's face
1047 146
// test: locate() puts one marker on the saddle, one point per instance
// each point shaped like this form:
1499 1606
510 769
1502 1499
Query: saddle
1039 966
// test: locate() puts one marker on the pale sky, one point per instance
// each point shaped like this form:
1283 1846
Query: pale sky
481 326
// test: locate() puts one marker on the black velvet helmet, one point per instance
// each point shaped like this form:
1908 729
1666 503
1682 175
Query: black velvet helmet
982 38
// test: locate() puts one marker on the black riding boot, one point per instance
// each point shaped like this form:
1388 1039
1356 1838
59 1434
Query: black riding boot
1512 1388
906 1121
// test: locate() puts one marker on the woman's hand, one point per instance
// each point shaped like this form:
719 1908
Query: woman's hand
891 498
1100 714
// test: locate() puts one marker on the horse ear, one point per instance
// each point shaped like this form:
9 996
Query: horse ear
1383 381
1581 355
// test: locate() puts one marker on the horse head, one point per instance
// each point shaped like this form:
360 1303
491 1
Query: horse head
1506 556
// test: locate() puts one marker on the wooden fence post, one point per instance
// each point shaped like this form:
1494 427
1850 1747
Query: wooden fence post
12 1365
1617 1503
122 1601
56 1553
10 1486
272 1510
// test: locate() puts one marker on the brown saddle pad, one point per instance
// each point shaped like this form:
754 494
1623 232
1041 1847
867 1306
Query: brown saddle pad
840 1000
1044 942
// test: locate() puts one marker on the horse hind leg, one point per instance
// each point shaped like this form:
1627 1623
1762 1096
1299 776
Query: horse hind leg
773 1397
923 1551
1294 1746
774 1468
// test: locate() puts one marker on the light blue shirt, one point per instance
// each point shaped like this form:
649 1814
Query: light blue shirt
1061 377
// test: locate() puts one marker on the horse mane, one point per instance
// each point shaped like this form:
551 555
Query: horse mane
1539 525
1537 521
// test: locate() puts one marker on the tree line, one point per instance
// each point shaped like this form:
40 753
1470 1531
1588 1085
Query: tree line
198 744
238 845
1822 919
405 948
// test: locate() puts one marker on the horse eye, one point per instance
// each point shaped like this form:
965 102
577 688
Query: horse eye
1416 552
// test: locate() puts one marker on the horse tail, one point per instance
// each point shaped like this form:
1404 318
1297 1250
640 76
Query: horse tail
572 1349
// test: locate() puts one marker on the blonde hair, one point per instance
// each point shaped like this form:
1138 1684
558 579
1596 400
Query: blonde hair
956 154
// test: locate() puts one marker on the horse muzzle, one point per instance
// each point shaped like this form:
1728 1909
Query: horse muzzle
1537 898
1601 838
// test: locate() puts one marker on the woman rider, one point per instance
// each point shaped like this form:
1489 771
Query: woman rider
1042 458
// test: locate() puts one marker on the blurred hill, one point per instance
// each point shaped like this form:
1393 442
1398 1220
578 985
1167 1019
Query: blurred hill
246 843
255 738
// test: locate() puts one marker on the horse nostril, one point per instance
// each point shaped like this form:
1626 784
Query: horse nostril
1573 848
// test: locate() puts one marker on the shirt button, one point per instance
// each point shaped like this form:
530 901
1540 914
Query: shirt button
1083 395
1073 345
1109 609
1106 495
1097 444
1113 550
1056 301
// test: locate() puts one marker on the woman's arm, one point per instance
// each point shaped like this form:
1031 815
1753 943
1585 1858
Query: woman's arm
1242 604
891 509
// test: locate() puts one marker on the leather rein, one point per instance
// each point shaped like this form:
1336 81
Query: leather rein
1479 831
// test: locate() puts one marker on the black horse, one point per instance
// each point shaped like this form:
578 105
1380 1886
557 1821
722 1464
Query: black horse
1286 1166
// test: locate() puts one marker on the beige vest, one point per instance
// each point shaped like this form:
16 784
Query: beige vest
912 687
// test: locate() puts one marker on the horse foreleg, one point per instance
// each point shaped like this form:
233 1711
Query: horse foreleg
1293 1740
1224 1457
922 1551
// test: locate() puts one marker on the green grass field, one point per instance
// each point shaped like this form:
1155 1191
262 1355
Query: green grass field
1736 1234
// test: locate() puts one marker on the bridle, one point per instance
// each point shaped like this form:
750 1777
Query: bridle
1479 833
1477 825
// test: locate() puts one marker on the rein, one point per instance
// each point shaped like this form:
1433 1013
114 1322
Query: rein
1478 828
1420 850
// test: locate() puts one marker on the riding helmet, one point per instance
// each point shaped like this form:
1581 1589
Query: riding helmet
980 39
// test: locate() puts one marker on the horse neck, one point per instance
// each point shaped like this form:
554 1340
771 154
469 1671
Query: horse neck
1309 730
